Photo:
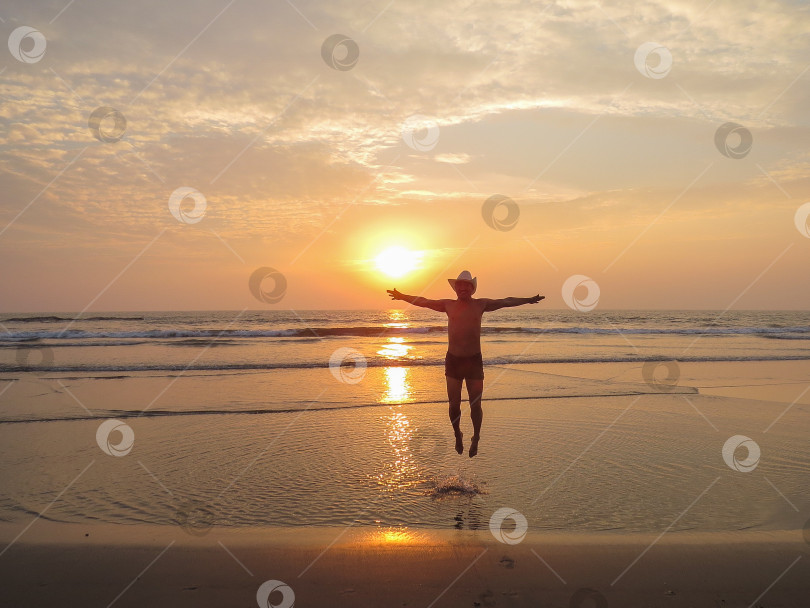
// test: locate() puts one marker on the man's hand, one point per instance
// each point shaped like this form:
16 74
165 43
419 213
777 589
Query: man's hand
395 295
536 299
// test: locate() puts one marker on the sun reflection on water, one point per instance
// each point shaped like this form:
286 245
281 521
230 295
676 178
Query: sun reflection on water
397 318
394 349
400 472
397 386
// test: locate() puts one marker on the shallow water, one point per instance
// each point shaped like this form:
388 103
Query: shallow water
608 463
585 447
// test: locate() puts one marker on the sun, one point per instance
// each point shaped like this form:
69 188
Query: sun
396 261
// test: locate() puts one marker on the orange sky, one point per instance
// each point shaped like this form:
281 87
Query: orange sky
610 152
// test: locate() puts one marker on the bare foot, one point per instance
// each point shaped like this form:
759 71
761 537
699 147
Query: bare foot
459 442
473 446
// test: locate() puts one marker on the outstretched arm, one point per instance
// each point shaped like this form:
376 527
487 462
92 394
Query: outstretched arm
508 302
437 305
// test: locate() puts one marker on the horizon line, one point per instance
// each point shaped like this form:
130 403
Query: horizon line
294 310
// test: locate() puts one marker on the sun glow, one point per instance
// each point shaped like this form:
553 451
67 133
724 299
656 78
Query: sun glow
397 261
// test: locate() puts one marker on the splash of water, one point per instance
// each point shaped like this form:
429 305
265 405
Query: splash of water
459 484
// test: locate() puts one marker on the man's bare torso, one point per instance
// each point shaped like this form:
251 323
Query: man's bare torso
464 326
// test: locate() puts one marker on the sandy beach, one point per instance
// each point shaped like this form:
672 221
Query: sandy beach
157 566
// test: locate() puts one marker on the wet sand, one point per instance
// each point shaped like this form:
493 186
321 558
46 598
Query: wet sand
160 566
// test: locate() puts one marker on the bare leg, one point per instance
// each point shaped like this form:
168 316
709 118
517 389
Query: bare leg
454 397
475 390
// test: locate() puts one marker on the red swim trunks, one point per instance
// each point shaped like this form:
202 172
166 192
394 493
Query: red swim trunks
471 367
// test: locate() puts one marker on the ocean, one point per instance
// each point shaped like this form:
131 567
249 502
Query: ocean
129 343
340 418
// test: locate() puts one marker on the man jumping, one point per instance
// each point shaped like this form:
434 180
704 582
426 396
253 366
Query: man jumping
463 361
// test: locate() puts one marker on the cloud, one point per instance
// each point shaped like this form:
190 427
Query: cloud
453 159
541 103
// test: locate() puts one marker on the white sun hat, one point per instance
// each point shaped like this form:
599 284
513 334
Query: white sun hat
464 276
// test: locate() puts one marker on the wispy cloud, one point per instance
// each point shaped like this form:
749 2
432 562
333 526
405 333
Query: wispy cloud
245 95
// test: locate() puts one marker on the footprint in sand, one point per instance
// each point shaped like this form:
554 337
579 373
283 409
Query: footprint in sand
487 598
507 562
